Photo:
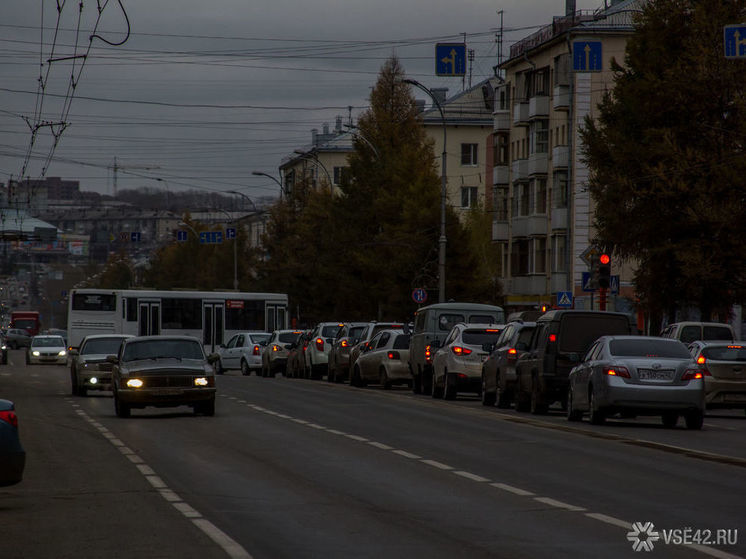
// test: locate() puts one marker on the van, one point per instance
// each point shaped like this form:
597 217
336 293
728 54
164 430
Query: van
432 324
688 332
560 340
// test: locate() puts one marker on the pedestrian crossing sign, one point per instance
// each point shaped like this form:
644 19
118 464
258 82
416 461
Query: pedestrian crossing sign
564 299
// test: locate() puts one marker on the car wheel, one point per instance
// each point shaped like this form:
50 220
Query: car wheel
435 390
82 391
670 419
572 413
245 371
384 379
449 386
596 415
356 380
219 367
121 409
417 382
205 408
537 405
488 398
694 419
74 382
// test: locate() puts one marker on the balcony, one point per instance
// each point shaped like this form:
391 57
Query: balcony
558 282
529 285
501 174
500 230
520 114
537 225
561 98
520 169
559 218
538 107
537 164
501 120
560 157
520 227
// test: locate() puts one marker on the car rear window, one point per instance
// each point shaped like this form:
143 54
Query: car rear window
578 332
356 332
649 348
388 326
401 341
259 338
288 337
716 333
330 331
446 322
725 353
480 336
484 319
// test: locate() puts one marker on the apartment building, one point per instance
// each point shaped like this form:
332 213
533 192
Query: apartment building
543 214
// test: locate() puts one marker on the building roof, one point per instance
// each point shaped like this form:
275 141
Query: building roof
17 224
471 106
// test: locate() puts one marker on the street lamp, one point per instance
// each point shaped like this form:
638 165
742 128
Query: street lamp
443 195
253 205
260 174
356 131
312 156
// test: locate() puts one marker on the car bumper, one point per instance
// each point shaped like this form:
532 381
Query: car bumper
165 397
619 395
95 380
725 393
41 360
399 372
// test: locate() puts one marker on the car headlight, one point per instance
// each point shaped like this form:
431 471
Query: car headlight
4 347
93 380
135 383
62 353
35 353
201 381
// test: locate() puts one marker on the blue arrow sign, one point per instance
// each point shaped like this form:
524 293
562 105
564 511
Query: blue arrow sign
450 59
230 233
564 299
587 56
181 236
135 237
734 39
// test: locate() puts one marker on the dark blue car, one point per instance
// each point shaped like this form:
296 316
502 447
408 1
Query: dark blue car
12 455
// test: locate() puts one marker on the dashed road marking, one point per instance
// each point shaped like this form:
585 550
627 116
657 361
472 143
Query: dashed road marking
436 464
558 504
473 477
511 489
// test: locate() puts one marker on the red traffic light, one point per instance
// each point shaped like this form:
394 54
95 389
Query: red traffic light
604 259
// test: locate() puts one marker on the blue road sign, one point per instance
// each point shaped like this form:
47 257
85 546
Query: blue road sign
210 237
204 237
135 237
734 40
419 295
450 59
564 299
181 236
614 284
230 233
588 282
587 56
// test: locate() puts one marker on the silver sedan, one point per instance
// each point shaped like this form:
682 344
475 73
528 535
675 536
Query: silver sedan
637 375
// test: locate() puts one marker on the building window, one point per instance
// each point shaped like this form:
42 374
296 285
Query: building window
539 136
559 253
540 255
340 174
468 196
469 154
559 190
540 196
520 258
500 202
500 147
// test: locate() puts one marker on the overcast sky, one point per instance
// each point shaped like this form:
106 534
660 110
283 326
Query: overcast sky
202 93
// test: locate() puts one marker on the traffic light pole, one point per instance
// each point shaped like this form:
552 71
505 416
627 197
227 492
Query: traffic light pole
602 298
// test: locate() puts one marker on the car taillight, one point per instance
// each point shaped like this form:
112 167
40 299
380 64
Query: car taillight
512 353
617 372
393 355
552 338
428 353
9 417
256 350
692 374
458 350
702 362
344 343
275 347
320 344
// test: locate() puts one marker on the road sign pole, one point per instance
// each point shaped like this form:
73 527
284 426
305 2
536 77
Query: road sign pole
602 299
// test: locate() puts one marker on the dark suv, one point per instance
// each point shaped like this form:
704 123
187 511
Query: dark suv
498 370
559 341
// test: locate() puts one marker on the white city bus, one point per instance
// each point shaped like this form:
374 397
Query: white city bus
213 317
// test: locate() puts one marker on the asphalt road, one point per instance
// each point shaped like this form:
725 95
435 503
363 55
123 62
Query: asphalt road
297 468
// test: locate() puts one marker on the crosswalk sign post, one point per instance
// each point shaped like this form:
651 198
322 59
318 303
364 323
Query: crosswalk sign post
564 299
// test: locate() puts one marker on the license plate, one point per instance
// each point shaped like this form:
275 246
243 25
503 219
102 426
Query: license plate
649 374
169 392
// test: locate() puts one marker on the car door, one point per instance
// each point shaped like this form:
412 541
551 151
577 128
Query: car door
368 367
529 361
226 353
582 374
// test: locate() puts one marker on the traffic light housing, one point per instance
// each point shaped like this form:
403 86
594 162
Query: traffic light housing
604 271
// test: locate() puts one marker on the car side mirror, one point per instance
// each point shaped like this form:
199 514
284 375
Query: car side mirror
112 359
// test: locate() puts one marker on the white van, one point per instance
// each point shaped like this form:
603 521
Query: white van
689 332
431 326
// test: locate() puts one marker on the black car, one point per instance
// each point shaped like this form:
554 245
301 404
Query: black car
12 455
499 369
163 371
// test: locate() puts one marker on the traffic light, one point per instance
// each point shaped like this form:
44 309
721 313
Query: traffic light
604 271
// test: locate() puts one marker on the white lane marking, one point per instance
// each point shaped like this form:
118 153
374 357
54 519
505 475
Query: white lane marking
301 421
186 510
135 459
609 520
116 442
230 546
282 415
316 426
169 495
511 489
126 450
145 470
380 445
406 454
436 464
558 504
356 438
156 482
335 432
473 477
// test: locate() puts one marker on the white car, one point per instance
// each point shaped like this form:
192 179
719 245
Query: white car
47 349
243 351
457 365
385 360
317 352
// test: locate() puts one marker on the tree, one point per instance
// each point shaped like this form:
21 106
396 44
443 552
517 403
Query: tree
668 171
118 273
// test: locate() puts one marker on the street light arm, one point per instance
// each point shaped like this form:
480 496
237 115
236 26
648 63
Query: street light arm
315 158
253 205
260 174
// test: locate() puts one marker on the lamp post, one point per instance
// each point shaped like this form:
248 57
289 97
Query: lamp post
443 194
260 174
237 193
312 156
356 131
235 248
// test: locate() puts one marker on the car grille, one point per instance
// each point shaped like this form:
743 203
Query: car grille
162 382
